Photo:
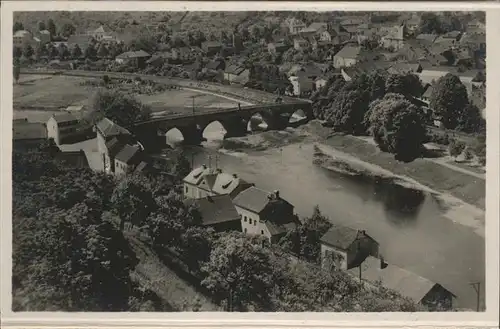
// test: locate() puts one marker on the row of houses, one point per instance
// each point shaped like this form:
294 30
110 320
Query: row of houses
24 38
227 202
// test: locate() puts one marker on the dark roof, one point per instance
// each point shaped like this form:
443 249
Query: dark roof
349 52
133 54
340 236
109 129
141 166
64 117
253 199
114 145
128 153
427 37
216 209
214 65
283 226
76 159
235 69
23 130
407 283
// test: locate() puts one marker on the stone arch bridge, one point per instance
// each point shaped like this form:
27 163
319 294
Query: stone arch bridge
234 120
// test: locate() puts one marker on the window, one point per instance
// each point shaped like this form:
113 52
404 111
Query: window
250 220
262 232
244 218
186 189
245 230
254 223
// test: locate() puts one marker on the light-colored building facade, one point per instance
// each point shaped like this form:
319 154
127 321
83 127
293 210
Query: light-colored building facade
60 126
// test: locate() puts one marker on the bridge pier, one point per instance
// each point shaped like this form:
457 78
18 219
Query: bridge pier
278 121
236 127
193 134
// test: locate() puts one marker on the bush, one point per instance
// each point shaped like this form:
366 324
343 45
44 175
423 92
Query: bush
468 154
455 147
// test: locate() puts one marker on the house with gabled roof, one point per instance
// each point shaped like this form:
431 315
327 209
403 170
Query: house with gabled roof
265 214
199 182
343 247
137 58
348 56
232 185
127 159
62 125
111 138
217 212
236 74
408 284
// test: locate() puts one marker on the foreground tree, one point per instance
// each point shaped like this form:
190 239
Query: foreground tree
239 268
16 70
51 27
448 100
397 126
17 27
120 108
347 112
132 202
404 84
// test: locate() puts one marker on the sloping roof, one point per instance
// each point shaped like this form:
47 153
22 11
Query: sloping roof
308 30
216 209
109 129
133 54
427 37
428 92
214 65
100 29
64 117
318 26
141 166
44 32
340 236
76 159
75 108
21 33
349 52
395 278
253 199
234 69
276 228
226 183
403 68
114 145
23 130
195 177
128 153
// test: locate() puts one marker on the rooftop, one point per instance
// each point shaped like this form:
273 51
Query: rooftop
128 153
340 236
133 54
226 183
395 278
64 117
216 209
349 52
109 129
255 199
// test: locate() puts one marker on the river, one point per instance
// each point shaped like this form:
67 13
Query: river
409 224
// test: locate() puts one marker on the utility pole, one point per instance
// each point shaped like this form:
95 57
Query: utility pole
477 288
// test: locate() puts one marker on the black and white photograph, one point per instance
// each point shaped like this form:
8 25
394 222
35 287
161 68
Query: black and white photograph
248 161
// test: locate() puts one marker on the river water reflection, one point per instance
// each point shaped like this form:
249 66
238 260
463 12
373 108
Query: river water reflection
408 223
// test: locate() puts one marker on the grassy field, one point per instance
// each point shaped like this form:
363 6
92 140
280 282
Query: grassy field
182 99
53 93
465 187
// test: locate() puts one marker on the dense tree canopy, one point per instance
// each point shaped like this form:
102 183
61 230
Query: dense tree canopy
120 108
449 99
397 126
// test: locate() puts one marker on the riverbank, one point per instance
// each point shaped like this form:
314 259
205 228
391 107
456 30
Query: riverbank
435 176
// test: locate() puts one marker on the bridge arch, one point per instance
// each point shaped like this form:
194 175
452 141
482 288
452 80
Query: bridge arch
259 121
297 115
173 136
215 130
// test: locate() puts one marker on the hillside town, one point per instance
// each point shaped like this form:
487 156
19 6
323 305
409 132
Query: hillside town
182 234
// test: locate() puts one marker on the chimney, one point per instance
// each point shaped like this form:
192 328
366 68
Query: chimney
219 170
276 194
235 175
204 166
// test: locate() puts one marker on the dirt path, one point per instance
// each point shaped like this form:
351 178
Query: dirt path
438 161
